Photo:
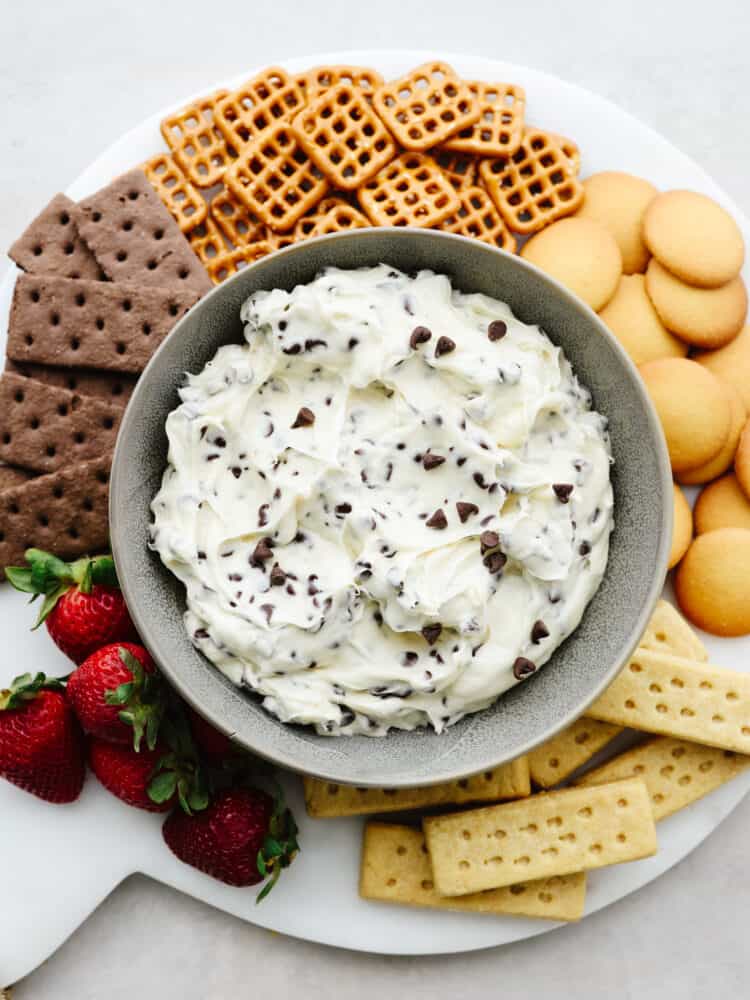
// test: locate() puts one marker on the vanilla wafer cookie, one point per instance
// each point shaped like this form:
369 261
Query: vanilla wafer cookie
478 217
134 238
207 241
674 696
676 772
181 199
343 136
224 266
259 104
410 191
196 143
558 833
327 800
668 632
395 868
499 128
64 512
45 428
275 178
426 106
533 186
459 168
51 244
558 758
239 224
314 81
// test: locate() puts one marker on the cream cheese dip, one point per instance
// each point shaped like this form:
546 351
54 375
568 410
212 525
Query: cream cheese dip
388 506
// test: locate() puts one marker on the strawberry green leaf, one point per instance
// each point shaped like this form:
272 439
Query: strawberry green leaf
20 578
162 787
103 571
120 695
25 688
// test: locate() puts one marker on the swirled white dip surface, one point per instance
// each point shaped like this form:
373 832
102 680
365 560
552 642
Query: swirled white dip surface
388 506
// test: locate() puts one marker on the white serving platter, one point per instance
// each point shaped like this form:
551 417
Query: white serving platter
60 862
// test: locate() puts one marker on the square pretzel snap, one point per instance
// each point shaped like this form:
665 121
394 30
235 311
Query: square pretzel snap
196 143
410 191
275 178
321 78
342 135
533 186
426 106
499 128
477 216
248 112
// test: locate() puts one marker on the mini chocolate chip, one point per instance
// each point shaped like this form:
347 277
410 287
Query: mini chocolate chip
488 540
410 658
378 617
292 349
236 471
444 346
430 461
438 520
479 480
431 633
352 343
311 344
267 610
261 552
465 510
201 554
523 668
562 491
495 561
419 335
344 508
220 442
278 576
584 548
305 418
277 494
263 514
539 631
497 330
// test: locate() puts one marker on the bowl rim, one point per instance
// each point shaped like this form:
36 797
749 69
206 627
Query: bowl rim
651 596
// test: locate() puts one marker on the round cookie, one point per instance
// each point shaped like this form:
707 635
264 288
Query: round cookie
580 254
732 364
742 461
704 317
712 583
693 408
631 316
719 464
618 201
722 504
694 238
682 528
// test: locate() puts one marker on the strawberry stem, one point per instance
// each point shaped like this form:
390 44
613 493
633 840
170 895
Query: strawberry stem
50 577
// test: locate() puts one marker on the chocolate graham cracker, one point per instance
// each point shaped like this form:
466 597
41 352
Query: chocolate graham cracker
115 386
97 324
134 237
64 512
10 476
43 428
51 244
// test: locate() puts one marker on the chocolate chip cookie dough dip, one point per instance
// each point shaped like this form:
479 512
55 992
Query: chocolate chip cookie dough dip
388 506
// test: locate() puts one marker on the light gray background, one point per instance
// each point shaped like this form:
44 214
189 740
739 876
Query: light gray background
75 74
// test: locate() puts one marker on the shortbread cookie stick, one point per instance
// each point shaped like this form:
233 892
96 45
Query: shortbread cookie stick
676 772
396 869
325 799
668 632
672 696
558 833
559 757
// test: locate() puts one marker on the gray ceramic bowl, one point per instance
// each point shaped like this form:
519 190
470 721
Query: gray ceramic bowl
579 670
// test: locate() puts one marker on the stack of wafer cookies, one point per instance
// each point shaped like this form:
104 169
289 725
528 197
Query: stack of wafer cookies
103 282
525 852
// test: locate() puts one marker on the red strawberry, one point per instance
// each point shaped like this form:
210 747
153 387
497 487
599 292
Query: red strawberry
213 743
241 837
128 774
41 744
83 605
117 695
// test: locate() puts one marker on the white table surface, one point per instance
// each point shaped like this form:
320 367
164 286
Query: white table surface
75 74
